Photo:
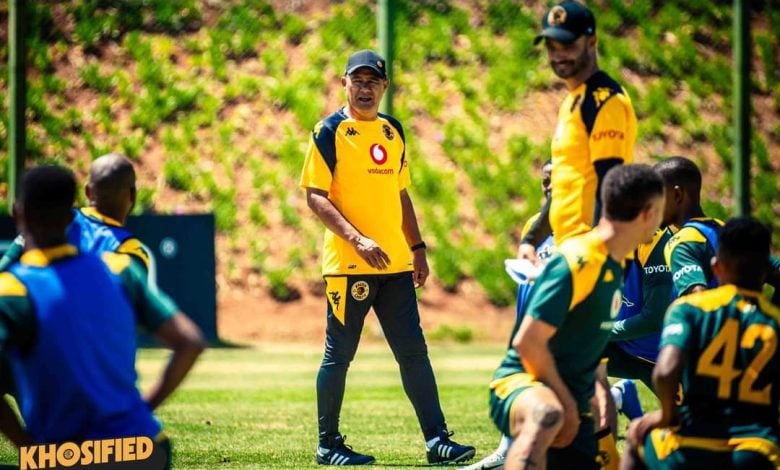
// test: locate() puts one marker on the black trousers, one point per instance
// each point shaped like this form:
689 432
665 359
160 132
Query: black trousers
395 303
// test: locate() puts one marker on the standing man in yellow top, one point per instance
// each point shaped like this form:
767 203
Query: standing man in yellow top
596 127
356 177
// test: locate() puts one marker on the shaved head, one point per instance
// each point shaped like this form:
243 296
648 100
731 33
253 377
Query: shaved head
111 187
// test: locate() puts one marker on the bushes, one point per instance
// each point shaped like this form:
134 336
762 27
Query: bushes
197 82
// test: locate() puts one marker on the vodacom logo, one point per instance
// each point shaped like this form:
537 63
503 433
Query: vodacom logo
378 154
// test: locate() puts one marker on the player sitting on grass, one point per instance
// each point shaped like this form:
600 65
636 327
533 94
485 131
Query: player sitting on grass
721 344
542 390
68 323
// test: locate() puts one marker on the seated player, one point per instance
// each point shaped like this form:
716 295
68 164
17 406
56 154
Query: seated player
633 347
689 251
721 344
68 324
541 392
99 227
495 460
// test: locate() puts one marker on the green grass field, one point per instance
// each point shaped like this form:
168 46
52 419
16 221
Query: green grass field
256 408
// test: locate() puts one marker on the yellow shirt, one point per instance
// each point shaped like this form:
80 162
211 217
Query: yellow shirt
363 167
596 121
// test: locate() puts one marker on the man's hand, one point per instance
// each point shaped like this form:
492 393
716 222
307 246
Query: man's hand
527 251
571 425
639 427
372 253
421 269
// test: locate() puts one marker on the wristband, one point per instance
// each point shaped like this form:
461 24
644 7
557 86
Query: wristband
419 246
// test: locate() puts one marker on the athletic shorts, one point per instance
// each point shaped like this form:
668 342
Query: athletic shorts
664 448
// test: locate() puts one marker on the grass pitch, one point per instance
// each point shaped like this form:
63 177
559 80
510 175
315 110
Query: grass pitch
256 407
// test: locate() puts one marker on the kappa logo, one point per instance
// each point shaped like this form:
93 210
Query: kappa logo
388 132
601 95
317 129
335 298
580 262
359 290
351 131
627 302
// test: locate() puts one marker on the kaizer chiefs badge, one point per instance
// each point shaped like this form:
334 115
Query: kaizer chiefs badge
359 290
557 16
388 132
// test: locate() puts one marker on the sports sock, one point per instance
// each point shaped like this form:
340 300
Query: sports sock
617 395
504 445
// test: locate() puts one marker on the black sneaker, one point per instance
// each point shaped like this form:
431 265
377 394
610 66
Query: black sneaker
446 451
341 454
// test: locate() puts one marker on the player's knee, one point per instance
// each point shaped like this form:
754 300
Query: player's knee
547 416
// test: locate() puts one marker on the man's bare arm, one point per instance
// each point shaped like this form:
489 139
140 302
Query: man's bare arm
335 221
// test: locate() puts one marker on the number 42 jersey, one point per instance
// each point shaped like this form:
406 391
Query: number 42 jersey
732 364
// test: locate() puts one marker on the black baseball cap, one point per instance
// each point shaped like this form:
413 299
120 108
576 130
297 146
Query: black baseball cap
567 21
366 58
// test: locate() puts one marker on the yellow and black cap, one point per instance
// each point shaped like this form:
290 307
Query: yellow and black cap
366 58
567 21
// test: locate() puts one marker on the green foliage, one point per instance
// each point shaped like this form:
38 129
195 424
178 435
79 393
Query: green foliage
280 288
300 93
178 174
144 201
182 74
445 332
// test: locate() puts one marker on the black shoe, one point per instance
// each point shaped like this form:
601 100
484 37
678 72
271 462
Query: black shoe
341 454
446 451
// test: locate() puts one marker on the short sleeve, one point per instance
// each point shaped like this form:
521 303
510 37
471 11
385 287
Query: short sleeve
677 327
17 317
552 293
152 306
404 178
134 248
316 172
529 223
611 134
685 253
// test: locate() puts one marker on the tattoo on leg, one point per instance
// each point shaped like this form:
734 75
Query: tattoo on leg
528 463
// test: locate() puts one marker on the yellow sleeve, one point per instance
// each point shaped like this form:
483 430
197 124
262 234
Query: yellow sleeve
644 250
134 247
528 225
404 178
612 136
316 173
10 286
116 262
